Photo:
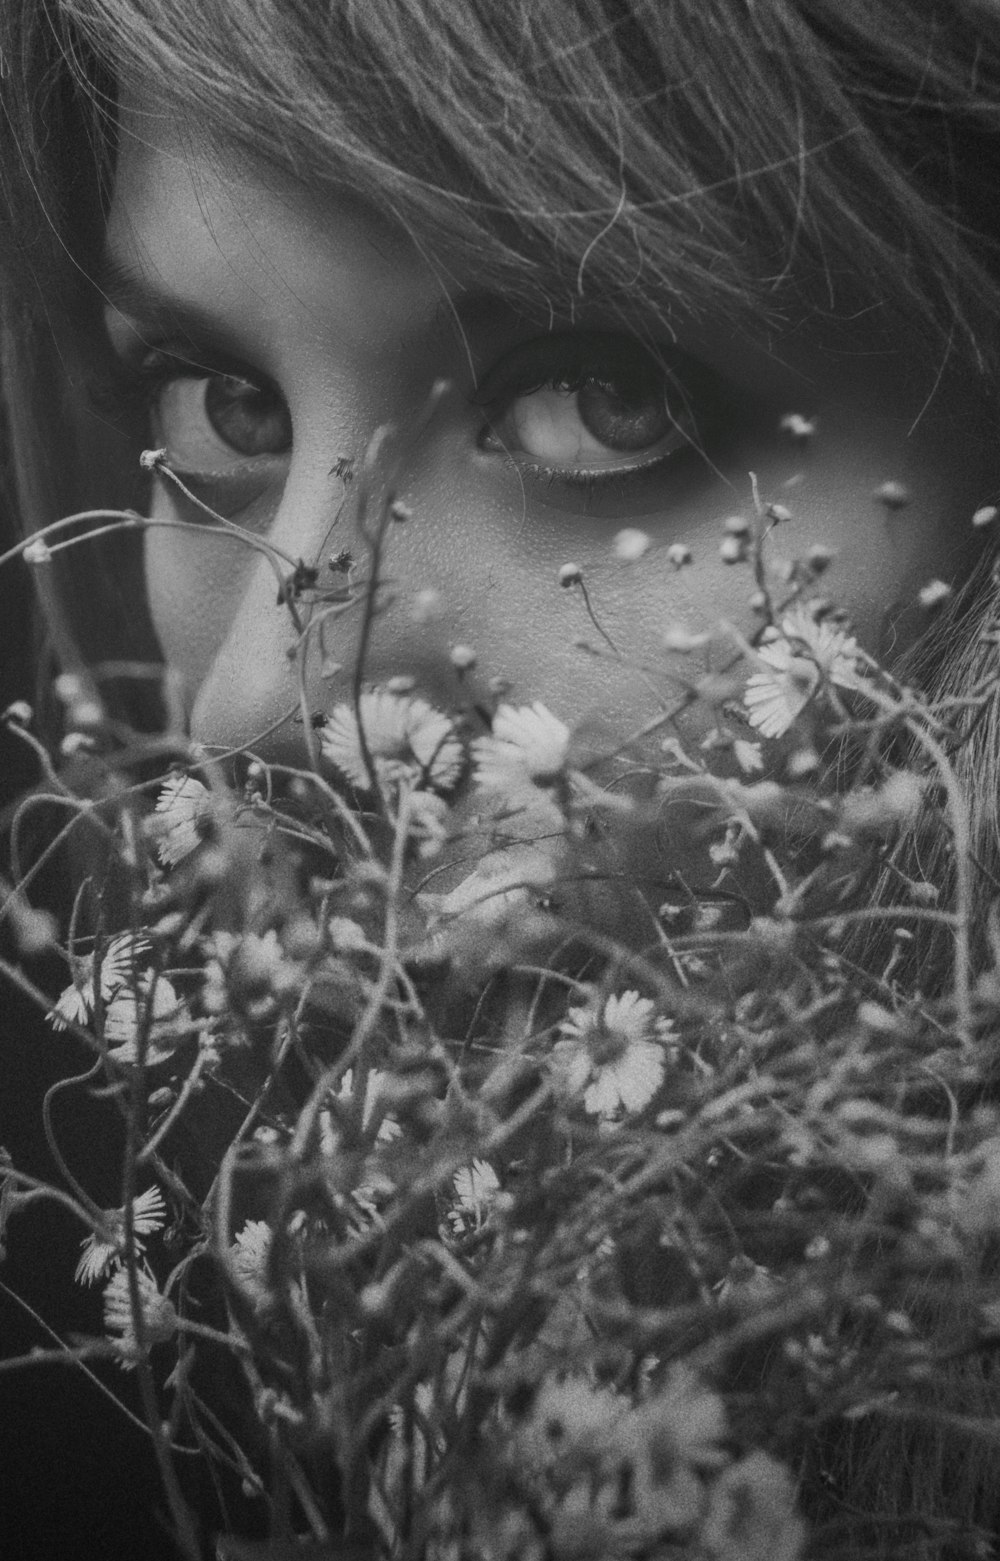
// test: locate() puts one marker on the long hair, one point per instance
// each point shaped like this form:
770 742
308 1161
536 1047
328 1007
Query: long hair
711 157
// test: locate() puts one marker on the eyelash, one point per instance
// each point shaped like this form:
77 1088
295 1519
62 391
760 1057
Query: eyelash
130 388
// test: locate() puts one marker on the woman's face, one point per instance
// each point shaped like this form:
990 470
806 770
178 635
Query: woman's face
278 329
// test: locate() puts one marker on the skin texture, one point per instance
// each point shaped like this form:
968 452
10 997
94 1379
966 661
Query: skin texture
352 325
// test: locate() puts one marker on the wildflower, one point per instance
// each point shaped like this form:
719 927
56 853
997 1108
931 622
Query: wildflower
37 552
570 574
388 1128
159 1319
463 658
149 460
751 1514
476 1187
736 526
798 659
76 742
119 962
606 1052
153 1005
796 426
631 544
678 638
427 821
985 516
933 594
103 1251
748 756
894 495
346 935
427 606
527 746
778 513
249 1256
407 739
819 558
181 808
732 550
19 713
679 555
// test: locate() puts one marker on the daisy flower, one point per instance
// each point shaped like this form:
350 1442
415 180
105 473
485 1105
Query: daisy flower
181 809
806 653
119 963
156 1005
408 740
606 1052
249 1256
476 1187
528 746
159 1318
102 1252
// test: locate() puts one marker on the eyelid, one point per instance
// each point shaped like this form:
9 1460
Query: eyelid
575 355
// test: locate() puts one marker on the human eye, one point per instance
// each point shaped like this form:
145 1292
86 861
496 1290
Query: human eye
213 423
581 406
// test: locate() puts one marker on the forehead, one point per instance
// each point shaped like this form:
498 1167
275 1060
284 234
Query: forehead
194 223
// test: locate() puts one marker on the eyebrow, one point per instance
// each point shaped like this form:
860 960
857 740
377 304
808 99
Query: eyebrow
151 306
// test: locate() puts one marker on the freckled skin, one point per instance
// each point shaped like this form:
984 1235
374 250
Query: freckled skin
350 323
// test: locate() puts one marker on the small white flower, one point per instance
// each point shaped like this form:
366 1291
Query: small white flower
985 516
799 658
37 552
159 1319
181 808
732 550
408 740
527 746
19 713
748 756
388 1128
679 555
894 495
570 574
101 1253
121 962
933 594
606 1052
681 639
462 657
346 935
249 1256
797 426
153 1004
476 1187
631 544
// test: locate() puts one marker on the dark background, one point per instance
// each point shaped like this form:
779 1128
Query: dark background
76 1479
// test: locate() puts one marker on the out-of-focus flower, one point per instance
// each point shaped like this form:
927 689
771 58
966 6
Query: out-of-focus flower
155 1005
37 551
678 554
476 1187
894 495
606 1052
985 516
631 544
427 821
683 640
388 1128
102 1252
181 810
751 1514
570 574
933 594
122 963
797 426
799 659
408 740
528 746
748 756
159 1318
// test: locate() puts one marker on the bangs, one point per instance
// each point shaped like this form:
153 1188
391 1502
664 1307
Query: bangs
697 155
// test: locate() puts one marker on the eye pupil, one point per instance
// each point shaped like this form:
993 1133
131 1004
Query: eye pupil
623 422
251 419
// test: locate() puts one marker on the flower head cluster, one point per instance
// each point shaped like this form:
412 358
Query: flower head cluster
409 742
612 1052
807 653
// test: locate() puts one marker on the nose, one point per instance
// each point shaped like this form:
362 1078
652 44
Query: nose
377 533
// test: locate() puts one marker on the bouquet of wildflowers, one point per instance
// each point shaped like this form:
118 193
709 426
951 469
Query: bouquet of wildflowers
592 1205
